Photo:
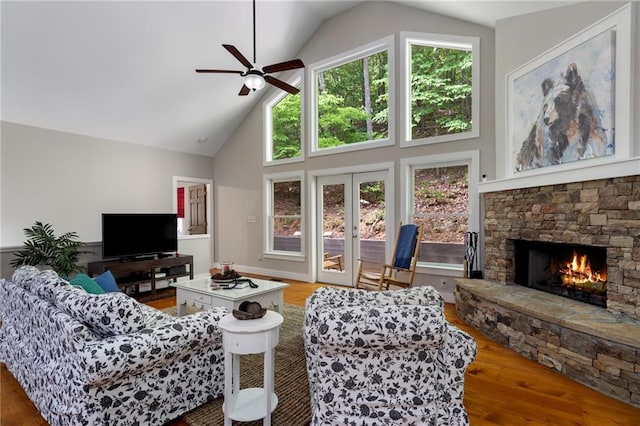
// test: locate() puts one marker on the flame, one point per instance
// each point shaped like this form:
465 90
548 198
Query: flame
578 273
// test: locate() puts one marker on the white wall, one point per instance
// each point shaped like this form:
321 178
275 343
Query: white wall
69 180
238 165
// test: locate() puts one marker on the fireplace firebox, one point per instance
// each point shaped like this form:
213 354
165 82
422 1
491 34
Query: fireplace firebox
575 271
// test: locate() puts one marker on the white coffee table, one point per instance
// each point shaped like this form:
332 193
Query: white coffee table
198 293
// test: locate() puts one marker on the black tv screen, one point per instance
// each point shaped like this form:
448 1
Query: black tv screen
138 234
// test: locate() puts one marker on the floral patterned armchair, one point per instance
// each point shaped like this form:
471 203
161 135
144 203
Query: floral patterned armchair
380 358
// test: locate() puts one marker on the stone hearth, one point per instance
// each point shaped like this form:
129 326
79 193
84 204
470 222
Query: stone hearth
595 346
584 342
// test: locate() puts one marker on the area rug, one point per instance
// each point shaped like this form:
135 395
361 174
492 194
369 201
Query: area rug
291 382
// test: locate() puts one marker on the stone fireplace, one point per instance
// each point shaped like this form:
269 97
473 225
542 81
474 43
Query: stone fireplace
530 235
602 213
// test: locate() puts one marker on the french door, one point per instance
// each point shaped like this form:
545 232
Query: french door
352 221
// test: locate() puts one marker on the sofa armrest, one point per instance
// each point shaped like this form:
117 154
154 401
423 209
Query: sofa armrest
391 327
457 354
460 349
123 355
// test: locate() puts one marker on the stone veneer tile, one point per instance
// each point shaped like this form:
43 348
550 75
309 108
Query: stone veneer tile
554 309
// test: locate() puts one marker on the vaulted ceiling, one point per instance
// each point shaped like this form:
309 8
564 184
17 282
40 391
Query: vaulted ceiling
125 70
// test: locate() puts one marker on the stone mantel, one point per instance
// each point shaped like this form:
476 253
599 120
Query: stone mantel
573 172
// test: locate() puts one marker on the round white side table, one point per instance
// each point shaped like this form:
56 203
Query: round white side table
241 337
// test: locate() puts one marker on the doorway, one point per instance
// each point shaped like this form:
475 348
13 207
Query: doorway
198 243
353 222
197 209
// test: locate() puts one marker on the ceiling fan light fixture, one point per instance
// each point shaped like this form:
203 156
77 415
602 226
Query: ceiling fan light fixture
254 81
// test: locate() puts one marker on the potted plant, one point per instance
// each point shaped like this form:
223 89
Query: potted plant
43 248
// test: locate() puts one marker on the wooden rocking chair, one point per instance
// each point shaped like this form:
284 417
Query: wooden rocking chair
332 262
400 272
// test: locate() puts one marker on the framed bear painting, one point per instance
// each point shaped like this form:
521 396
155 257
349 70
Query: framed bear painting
573 103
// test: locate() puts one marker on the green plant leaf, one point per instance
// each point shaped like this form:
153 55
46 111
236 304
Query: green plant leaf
43 248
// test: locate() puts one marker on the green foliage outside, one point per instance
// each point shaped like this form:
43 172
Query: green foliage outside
286 133
338 124
353 101
372 192
440 91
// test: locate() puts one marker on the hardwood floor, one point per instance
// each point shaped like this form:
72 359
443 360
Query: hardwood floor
501 387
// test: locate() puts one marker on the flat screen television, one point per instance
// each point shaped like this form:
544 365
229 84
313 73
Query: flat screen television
128 235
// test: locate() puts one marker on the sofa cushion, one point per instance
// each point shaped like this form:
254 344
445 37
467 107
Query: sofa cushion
47 284
107 282
107 314
24 275
87 283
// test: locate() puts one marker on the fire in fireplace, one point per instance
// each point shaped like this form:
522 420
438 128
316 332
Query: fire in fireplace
575 271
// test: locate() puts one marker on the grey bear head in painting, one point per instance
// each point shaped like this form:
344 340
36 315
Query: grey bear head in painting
568 127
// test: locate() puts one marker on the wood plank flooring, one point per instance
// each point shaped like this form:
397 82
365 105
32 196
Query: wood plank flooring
501 387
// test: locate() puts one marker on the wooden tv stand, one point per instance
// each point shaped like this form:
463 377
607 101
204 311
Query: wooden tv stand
140 271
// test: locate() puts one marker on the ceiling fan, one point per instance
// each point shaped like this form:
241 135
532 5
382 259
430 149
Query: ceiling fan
255 79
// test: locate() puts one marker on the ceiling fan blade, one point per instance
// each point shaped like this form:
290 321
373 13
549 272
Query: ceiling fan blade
236 54
221 71
281 84
283 66
244 91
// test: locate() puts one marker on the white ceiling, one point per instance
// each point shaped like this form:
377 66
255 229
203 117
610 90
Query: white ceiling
125 70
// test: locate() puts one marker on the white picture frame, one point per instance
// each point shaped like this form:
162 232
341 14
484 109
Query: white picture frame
571 107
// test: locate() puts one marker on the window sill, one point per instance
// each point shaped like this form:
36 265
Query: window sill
294 257
268 163
194 237
442 269
317 152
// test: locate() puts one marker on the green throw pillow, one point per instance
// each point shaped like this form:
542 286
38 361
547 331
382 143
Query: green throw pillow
86 282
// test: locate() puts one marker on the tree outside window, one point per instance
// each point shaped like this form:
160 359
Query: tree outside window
440 91
441 204
286 217
352 102
441 83
282 113
285 128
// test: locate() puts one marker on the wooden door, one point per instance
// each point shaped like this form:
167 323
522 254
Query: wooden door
198 209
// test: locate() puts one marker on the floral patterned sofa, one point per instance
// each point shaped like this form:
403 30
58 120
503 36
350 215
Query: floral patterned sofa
87 359
384 358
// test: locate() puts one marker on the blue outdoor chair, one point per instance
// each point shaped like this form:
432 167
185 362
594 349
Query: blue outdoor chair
400 272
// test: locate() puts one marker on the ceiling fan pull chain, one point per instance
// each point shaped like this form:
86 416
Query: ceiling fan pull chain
254 32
